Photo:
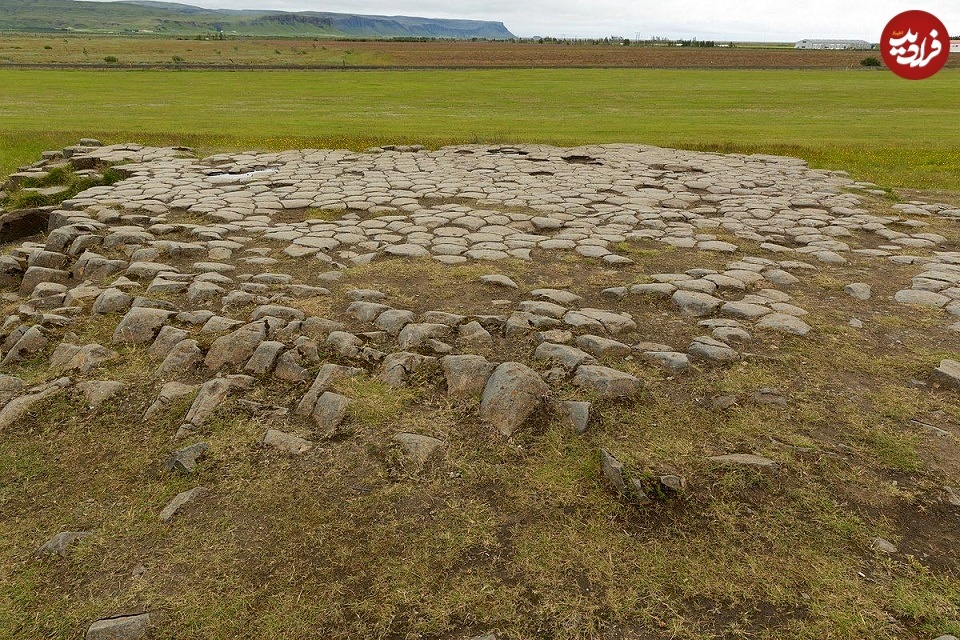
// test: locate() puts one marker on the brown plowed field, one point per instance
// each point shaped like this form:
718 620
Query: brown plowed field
496 54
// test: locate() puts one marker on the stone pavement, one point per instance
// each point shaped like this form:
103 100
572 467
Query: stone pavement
191 259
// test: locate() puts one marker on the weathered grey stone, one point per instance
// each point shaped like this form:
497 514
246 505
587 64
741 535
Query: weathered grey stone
745 310
287 442
394 320
235 348
952 497
574 414
219 324
203 293
607 382
770 397
695 303
168 338
185 460
364 311
407 251
784 323
923 298
732 334
33 340
183 357
442 317
141 324
397 367
326 378
417 446
859 290
414 334
170 392
614 293
559 296
264 357
947 374
603 347
883 545
14 410
747 460
466 375
655 289
344 343
473 334
148 270
543 308
366 294
569 357
613 471
60 543
319 327
179 501
288 368
133 627
99 391
673 360
511 394
35 275
614 323
499 280
212 394
330 411
10 388
112 300
713 350
195 318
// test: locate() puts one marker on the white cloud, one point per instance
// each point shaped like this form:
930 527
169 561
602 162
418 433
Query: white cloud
772 20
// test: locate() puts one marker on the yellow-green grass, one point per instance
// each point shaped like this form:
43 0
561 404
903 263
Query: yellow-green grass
878 127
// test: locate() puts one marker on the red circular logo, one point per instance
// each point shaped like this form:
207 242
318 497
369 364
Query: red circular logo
915 45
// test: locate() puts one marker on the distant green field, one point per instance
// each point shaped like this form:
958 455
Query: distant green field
878 127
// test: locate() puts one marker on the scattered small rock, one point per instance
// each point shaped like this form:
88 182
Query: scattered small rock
287 442
881 544
948 373
859 290
499 280
575 415
747 460
120 628
183 498
417 446
59 544
185 460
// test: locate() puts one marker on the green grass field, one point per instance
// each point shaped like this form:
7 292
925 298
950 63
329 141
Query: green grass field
878 127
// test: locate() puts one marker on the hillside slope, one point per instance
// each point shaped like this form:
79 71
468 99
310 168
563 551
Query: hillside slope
39 16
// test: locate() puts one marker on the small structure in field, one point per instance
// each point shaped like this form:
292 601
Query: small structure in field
833 44
955 46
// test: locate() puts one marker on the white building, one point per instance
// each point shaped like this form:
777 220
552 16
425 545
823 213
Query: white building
955 46
833 44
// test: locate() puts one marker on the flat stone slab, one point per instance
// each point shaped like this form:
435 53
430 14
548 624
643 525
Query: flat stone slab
607 382
746 460
134 627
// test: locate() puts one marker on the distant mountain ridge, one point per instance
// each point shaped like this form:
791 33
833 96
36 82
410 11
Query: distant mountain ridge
173 19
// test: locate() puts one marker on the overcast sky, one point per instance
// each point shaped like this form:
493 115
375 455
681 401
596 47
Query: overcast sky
776 20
